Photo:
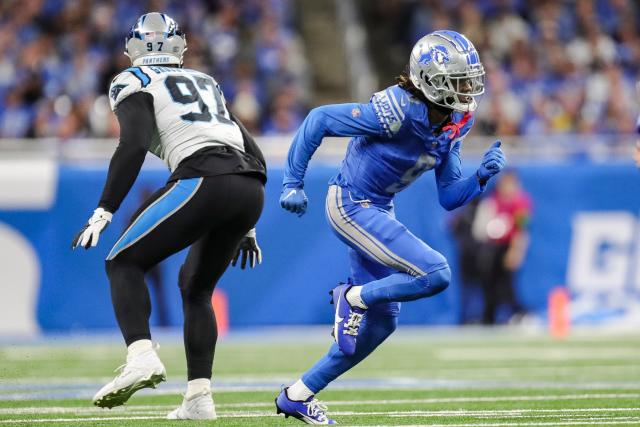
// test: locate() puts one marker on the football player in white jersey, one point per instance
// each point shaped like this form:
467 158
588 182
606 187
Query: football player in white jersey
211 203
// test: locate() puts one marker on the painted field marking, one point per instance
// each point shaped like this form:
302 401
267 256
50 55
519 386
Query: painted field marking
552 424
406 384
442 413
450 400
445 369
470 399
561 411
612 420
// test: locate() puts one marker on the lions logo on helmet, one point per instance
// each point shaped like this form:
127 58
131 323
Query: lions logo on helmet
439 54
155 39
446 68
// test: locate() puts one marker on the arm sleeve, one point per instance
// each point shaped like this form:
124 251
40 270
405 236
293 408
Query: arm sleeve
329 120
453 189
137 123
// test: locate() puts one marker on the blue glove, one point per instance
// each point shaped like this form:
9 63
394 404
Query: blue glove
492 162
293 199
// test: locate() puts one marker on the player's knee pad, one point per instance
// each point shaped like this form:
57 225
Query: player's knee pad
435 282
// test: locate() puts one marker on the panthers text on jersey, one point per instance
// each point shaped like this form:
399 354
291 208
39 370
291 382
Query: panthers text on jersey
189 108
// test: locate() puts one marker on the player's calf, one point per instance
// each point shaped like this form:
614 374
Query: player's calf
350 310
400 287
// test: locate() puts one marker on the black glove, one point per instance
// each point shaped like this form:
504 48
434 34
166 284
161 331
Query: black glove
249 248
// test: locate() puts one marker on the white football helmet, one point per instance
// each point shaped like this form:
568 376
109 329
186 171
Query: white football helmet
445 66
155 39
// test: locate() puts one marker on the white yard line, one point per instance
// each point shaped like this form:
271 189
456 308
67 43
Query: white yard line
511 424
505 412
488 399
152 410
533 354
611 420
471 373
428 373
78 420
469 399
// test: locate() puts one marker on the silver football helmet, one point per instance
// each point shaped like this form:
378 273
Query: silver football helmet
155 39
446 68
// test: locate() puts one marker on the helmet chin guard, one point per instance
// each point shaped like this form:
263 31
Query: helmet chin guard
155 39
445 66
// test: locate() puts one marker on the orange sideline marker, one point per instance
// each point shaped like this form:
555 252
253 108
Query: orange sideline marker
559 312
220 306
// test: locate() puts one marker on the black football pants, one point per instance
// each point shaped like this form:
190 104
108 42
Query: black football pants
211 215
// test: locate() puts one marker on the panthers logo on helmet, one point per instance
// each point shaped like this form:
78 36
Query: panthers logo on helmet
438 54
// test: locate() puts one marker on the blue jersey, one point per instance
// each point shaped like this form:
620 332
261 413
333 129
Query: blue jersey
393 144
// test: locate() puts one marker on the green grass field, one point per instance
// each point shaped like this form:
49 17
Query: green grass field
419 377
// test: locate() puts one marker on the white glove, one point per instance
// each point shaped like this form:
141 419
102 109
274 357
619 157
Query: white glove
88 236
248 248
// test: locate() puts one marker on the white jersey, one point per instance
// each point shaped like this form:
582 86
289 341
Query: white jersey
189 107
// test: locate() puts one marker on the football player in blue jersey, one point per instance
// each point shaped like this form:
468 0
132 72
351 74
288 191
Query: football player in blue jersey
405 130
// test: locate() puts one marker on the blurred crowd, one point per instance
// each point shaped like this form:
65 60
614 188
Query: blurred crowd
553 66
57 58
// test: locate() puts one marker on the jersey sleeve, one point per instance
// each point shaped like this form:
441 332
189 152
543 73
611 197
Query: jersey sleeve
137 123
454 190
127 83
328 120
391 106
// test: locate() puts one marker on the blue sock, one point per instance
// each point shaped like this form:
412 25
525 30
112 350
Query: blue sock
377 324
404 287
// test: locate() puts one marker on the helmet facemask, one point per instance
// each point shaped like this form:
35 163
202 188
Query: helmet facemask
460 92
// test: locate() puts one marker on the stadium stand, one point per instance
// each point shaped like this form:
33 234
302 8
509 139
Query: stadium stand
552 66
57 58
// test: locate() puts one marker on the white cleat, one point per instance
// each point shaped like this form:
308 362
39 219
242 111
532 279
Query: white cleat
142 371
197 407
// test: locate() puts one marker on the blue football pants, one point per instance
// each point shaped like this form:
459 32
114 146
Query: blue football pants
390 263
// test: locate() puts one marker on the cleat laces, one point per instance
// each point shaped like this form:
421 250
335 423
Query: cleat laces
316 410
352 325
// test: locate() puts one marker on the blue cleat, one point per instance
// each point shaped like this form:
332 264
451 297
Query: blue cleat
347 320
311 411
